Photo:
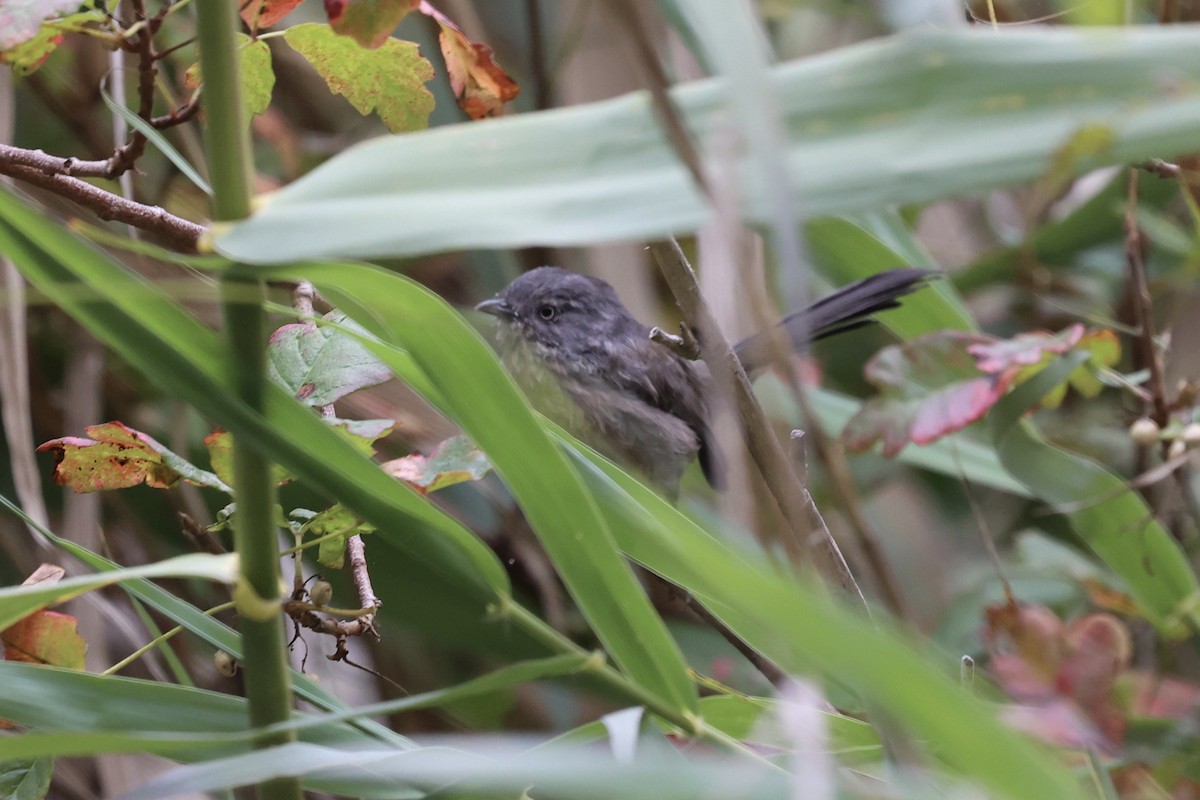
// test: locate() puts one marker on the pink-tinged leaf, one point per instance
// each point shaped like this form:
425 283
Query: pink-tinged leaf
115 457
1027 646
45 637
929 387
1152 694
481 86
259 14
1058 722
25 45
455 460
368 22
20 20
1023 350
1060 671
321 364
389 80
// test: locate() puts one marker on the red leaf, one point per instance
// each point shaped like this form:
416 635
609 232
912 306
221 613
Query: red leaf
480 84
115 457
259 14
929 387
1066 674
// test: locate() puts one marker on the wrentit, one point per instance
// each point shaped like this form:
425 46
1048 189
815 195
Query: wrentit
585 362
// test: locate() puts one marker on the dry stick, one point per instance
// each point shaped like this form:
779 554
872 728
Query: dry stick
802 515
176 232
768 668
830 453
773 464
1140 295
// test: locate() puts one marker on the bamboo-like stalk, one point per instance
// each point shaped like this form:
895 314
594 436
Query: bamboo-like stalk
227 142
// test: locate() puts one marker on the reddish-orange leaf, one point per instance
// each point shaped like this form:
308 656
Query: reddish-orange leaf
480 84
45 637
259 14
115 457
368 22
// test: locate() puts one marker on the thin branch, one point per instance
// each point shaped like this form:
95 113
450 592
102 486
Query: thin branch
768 454
176 232
668 114
1139 292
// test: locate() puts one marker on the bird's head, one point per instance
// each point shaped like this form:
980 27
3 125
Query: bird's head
558 311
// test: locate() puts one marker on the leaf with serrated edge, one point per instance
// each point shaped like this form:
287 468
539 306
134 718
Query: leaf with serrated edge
389 80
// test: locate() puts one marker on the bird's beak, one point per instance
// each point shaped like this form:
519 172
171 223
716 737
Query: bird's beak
497 307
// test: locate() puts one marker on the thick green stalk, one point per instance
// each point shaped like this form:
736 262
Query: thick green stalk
227 142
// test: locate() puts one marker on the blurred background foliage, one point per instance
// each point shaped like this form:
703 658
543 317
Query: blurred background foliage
1039 255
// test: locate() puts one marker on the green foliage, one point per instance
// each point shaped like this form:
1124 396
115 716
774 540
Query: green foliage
389 81
909 118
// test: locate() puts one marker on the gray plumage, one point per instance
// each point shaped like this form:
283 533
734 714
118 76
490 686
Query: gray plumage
587 363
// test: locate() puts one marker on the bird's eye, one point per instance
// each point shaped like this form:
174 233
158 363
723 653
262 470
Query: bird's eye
546 312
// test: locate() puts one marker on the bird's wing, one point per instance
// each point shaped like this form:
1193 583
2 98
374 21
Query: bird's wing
672 384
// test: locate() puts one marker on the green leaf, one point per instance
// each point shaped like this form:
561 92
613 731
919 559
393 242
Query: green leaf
909 118
117 457
26 779
957 456
155 137
116 715
1108 515
257 76
850 248
159 338
217 634
389 81
338 523
453 461
419 325
20 601
180 721
802 630
258 79
320 364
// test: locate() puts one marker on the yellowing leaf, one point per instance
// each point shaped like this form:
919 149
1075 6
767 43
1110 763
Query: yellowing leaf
258 78
389 80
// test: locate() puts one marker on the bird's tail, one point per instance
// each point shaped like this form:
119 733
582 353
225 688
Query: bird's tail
851 306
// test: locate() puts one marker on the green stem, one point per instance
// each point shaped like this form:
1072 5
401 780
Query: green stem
227 141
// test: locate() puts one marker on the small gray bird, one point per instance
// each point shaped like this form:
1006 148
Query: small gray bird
585 362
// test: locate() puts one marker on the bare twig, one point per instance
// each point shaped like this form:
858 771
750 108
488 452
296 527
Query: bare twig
1139 291
668 114
1140 295
684 345
764 665
176 232
1163 169
772 462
